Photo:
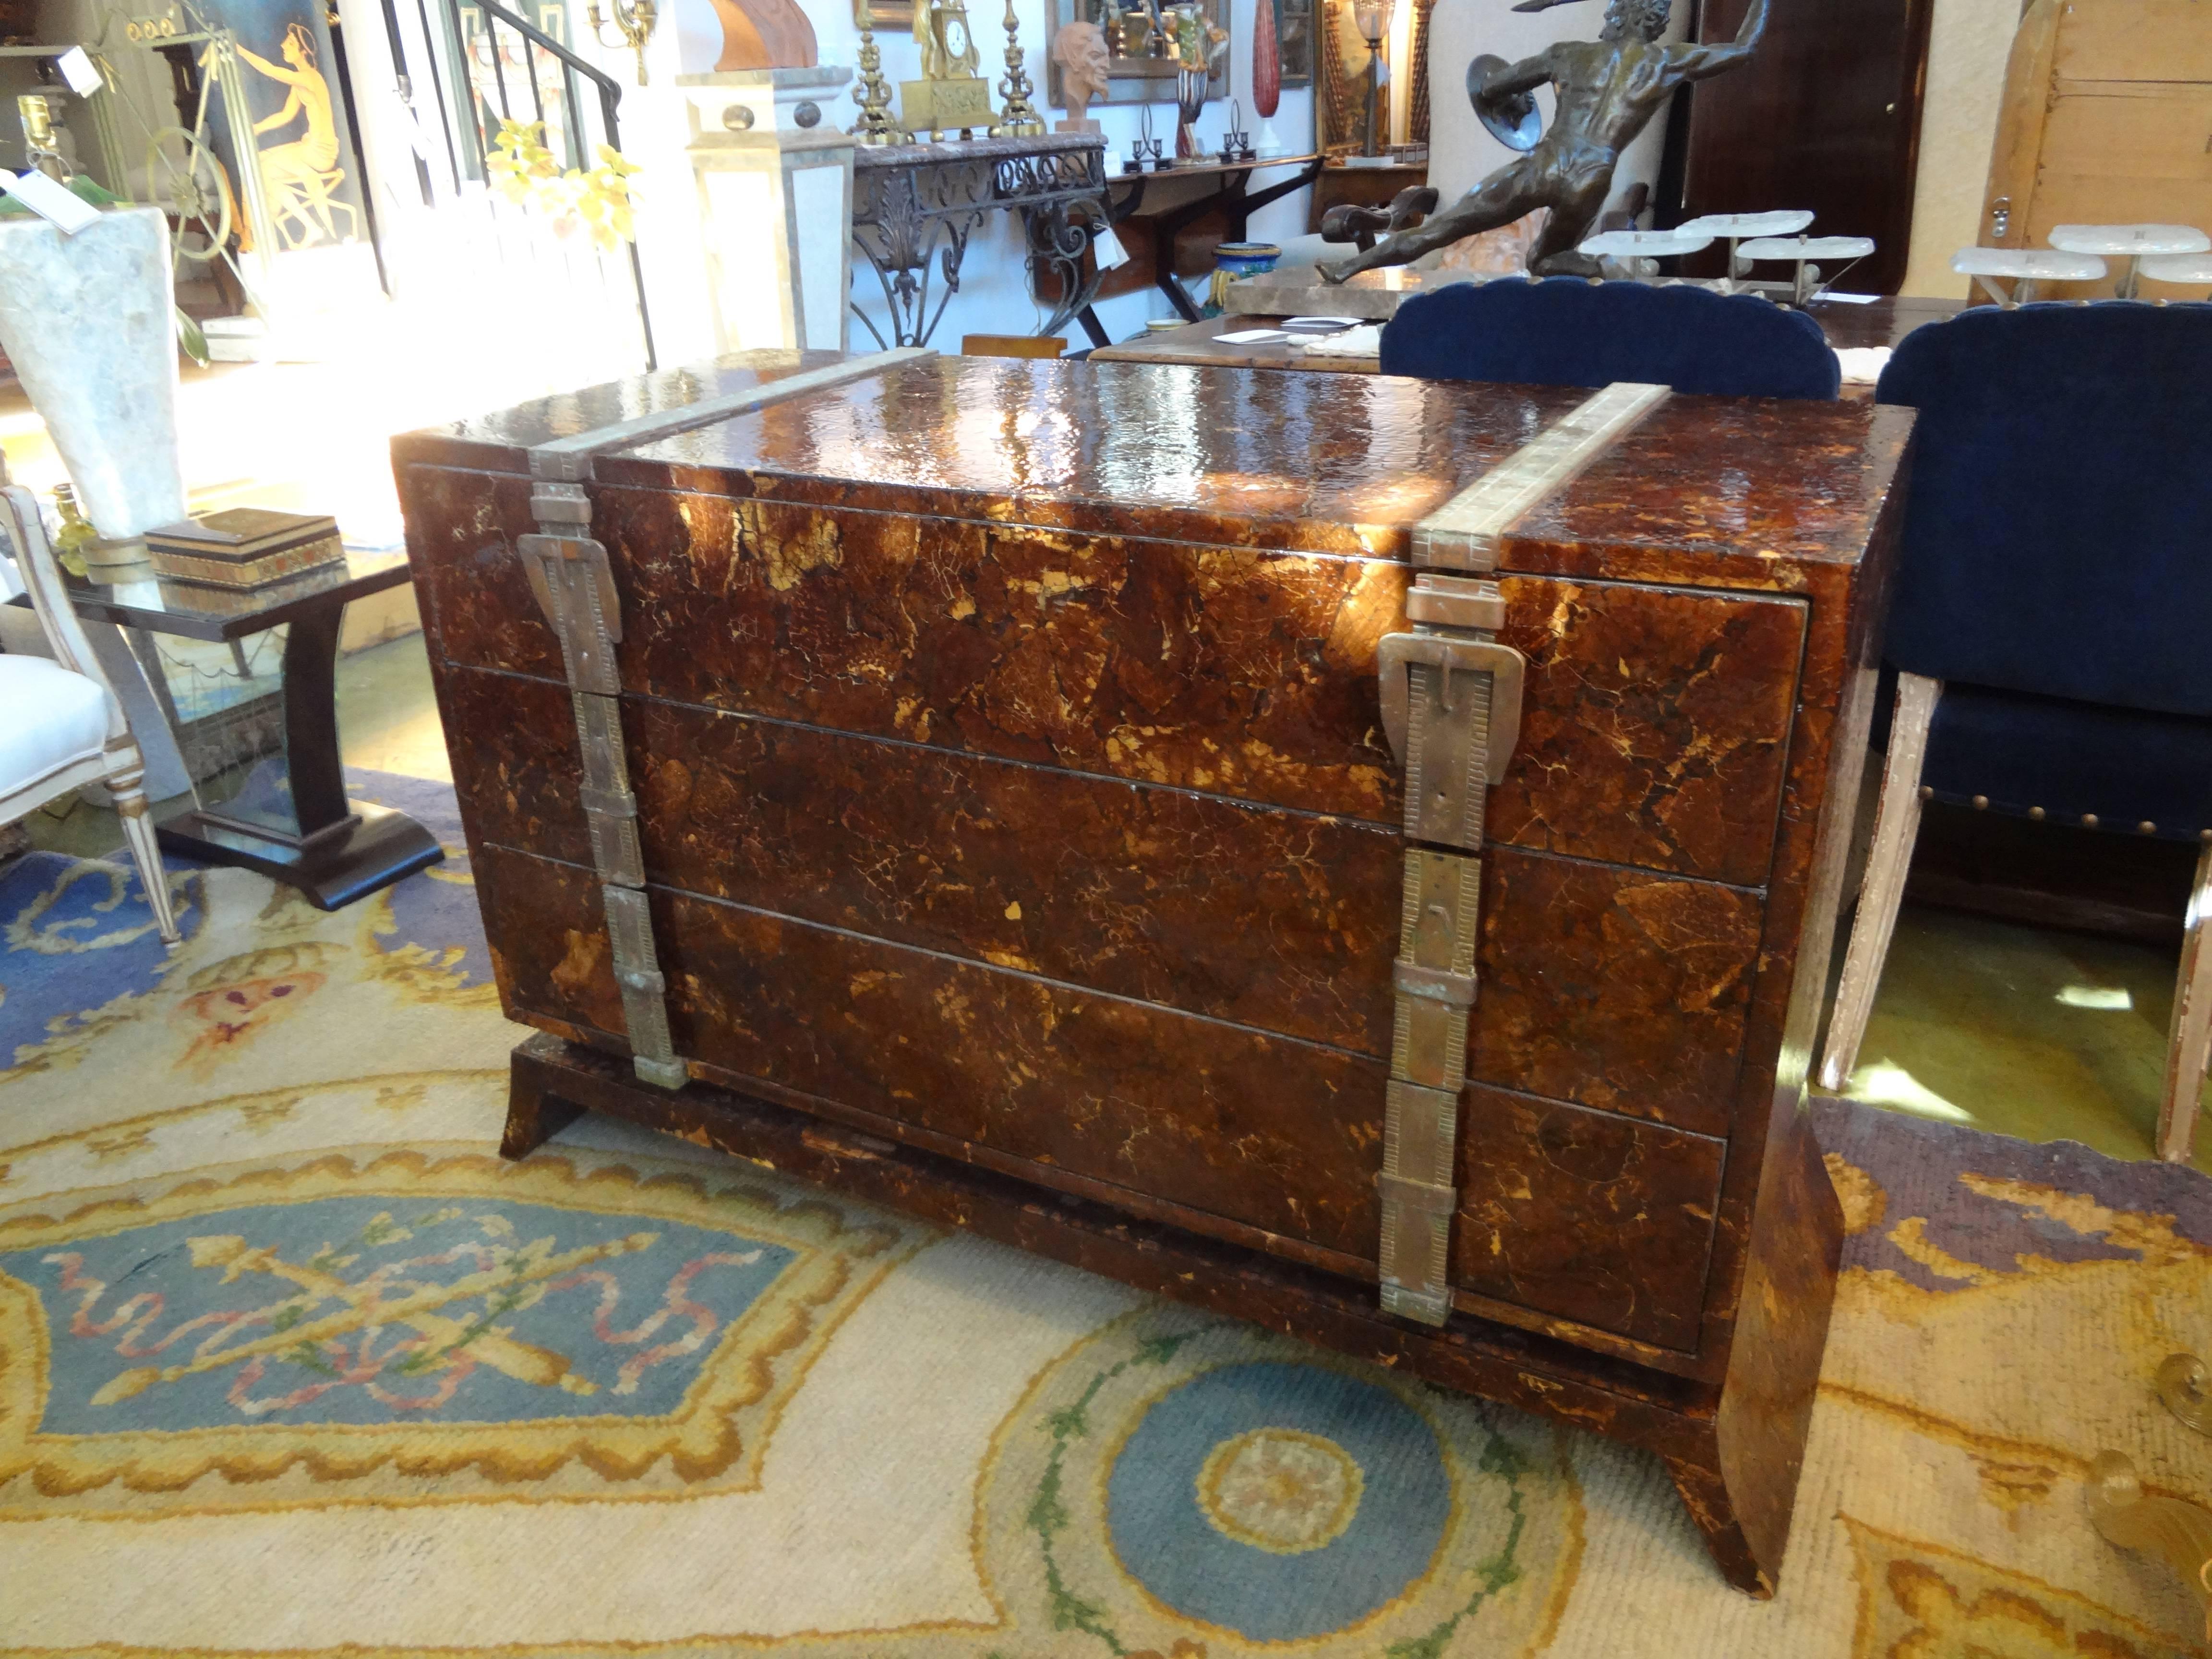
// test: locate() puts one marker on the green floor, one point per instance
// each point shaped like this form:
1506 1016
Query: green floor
2025 1031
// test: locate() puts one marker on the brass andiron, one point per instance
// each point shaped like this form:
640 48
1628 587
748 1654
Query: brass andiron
1019 118
873 94
2186 1388
2177 1532
634 21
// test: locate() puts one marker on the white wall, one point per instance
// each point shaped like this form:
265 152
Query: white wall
1967 48
1461 152
994 297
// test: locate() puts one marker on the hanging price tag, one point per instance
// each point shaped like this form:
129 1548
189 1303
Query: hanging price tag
80 71
68 211
1108 249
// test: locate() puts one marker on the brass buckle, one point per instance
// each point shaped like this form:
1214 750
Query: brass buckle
1399 652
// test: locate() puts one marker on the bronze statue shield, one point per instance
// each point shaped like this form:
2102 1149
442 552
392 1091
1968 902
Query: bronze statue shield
1512 119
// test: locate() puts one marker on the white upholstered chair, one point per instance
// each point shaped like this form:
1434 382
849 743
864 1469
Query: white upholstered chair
61 723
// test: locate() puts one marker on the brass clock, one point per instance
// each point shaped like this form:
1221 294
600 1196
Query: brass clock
951 95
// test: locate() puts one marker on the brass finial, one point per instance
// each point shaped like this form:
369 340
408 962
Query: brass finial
873 94
1019 118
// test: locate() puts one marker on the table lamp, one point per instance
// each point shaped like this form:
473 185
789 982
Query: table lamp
1372 18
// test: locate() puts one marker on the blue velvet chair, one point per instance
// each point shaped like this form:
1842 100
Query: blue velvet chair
2051 627
1567 331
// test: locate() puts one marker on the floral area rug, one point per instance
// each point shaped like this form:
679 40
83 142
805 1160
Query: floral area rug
291 1364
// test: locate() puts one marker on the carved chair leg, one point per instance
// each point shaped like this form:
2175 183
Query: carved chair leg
1896 825
125 787
2189 1041
2178 1532
534 1115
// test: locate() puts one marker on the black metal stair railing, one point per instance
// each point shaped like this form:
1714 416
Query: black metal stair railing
550 72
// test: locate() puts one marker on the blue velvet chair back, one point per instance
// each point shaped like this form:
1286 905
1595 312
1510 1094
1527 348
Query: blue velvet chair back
2058 529
1565 330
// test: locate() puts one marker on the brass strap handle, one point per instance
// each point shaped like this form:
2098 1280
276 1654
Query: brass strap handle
573 581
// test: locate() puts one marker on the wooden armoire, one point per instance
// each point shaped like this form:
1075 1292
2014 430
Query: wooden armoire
2107 120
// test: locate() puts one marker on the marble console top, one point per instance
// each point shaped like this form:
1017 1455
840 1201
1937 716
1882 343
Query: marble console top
974 149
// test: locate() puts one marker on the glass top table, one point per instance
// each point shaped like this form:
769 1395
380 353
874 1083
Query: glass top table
247 679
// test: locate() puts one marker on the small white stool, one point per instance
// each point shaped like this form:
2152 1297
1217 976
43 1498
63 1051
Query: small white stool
2026 266
2193 269
1801 251
1629 245
2129 242
1734 227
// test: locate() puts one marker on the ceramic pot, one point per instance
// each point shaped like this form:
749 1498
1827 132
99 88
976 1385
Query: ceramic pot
1232 260
88 322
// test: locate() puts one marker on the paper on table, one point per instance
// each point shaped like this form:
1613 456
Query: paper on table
1320 322
1850 299
80 71
1364 341
1862 365
69 211
1254 336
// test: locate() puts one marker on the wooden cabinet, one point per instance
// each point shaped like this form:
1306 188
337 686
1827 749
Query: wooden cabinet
2107 120
1825 116
997 753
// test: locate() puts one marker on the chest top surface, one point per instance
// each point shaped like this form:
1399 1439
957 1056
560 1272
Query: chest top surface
1320 462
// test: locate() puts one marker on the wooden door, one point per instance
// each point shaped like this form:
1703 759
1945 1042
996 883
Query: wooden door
1825 116
2107 120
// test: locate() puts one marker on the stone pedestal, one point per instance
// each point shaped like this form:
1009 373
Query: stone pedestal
776 203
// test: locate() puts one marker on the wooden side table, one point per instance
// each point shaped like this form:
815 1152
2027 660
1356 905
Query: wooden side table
289 820
1134 195
1362 187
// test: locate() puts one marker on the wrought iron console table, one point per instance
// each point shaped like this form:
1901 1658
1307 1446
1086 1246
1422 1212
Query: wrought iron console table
915 205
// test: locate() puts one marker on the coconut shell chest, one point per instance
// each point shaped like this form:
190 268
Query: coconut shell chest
1358 853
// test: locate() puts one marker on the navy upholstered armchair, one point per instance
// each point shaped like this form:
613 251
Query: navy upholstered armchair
2051 629
1567 331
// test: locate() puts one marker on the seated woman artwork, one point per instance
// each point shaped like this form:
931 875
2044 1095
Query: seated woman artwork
302 176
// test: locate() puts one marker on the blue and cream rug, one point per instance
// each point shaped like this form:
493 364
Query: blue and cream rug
290 1364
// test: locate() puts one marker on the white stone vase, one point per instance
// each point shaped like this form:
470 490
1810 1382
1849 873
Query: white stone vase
88 321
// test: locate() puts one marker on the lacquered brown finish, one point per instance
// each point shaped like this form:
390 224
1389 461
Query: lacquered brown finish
1654 730
1012 798
495 441
1583 1215
1617 990
1655 726
1281 921
1685 1422
1273 1136
1260 1130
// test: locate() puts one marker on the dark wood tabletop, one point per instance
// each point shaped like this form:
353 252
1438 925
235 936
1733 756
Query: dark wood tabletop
1881 322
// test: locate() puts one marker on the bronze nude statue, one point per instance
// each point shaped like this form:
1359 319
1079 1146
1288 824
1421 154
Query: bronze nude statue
1609 89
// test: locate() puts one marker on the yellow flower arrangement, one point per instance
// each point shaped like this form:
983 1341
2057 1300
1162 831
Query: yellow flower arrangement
596 201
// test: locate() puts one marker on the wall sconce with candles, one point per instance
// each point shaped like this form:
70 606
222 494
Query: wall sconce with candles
634 21
1372 18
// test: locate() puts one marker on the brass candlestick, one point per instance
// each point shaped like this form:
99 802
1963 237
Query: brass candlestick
873 94
1019 118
